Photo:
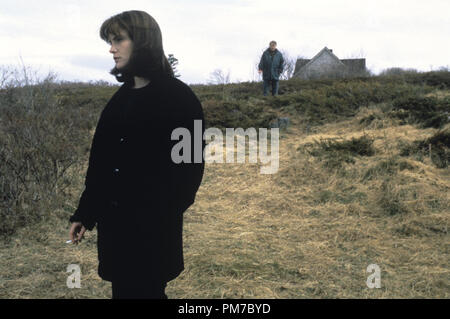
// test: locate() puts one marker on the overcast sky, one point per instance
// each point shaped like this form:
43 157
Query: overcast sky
63 36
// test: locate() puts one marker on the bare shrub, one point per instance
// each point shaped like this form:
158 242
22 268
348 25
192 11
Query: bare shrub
40 139
219 77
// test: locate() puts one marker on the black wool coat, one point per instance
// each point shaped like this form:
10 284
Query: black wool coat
134 193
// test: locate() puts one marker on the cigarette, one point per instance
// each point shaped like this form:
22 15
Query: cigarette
68 242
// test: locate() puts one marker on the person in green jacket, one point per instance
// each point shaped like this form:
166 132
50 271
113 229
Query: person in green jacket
271 66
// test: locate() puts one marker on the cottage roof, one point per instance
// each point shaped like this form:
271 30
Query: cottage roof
325 50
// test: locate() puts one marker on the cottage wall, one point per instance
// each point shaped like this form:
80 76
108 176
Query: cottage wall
355 66
300 63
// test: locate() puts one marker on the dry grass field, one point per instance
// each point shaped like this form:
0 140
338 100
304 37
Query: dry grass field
307 231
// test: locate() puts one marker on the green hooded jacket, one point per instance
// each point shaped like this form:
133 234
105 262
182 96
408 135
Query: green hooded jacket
272 66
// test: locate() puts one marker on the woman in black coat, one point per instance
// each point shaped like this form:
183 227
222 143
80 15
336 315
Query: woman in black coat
136 190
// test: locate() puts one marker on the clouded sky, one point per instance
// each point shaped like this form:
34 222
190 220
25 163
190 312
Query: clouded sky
63 36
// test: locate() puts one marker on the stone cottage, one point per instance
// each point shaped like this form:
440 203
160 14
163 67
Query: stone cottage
327 65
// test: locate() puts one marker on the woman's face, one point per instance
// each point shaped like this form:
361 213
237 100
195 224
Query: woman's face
121 47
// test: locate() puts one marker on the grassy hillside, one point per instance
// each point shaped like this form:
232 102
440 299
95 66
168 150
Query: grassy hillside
363 179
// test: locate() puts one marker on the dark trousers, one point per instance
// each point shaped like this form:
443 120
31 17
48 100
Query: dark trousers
274 84
138 289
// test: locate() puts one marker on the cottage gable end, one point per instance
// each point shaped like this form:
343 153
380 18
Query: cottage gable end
327 64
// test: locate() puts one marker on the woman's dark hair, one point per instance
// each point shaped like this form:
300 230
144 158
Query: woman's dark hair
147 58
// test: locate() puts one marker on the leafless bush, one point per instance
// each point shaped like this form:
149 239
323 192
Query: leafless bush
397 71
40 139
219 77
288 65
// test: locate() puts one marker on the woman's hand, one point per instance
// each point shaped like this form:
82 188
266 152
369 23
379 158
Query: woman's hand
76 232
